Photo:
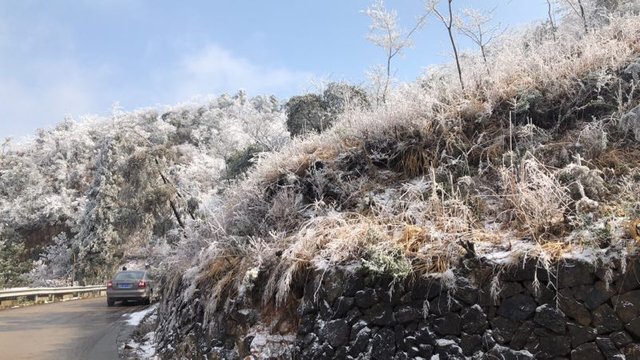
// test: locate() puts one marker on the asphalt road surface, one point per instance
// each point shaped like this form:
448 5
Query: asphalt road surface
79 329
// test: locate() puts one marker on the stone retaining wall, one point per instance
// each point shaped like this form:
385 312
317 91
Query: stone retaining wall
523 312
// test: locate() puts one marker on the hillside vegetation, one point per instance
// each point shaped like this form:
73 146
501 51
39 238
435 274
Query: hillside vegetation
536 158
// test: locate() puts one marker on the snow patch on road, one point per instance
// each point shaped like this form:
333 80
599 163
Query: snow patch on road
135 318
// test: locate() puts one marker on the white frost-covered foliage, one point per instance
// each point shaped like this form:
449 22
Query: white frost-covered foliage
97 191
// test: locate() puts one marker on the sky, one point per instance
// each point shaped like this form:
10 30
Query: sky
71 58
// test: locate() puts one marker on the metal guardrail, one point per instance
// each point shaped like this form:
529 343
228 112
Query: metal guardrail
31 292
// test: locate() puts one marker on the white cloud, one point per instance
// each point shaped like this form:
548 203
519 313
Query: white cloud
214 70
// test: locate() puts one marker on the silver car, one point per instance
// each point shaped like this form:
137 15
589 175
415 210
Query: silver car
130 285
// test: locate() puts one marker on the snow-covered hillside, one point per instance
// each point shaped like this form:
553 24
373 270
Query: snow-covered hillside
81 198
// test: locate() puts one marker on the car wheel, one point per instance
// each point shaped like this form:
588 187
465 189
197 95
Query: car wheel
110 302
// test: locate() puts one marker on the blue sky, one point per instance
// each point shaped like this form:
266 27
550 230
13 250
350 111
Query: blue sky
73 57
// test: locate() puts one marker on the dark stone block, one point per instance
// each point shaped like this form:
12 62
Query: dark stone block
574 309
474 321
383 346
605 320
587 351
485 299
335 332
323 352
393 296
608 349
342 306
470 343
379 314
580 334
504 353
521 272
574 274
542 294
551 318
411 327
448 349
521 336
593 296
407 313
333 285
354 283
355 328
634 327
353 316
621 339
399 335
553 346
340 353
307 307
503 329
308 339
306 324
627 305
413 353
448 325
425 350
510 289
444 304
519 307
366 298
425 289
465 292
407 343
424 335
325 310
361 341
488 342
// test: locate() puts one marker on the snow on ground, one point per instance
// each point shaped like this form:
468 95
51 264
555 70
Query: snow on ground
135 318
145 350
142 344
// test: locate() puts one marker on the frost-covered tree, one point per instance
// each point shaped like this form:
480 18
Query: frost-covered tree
386 33
478 28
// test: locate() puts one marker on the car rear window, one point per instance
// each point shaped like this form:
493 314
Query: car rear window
129 275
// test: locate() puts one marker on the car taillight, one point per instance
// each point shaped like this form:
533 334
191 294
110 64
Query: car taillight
109 284
142 284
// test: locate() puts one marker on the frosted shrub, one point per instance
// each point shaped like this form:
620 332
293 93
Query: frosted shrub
535 198
630 123
593 138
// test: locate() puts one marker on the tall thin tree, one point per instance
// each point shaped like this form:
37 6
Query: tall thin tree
447 21
578 8
385 32
551 21
477 27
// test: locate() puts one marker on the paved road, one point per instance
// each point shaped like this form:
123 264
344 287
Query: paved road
80 329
